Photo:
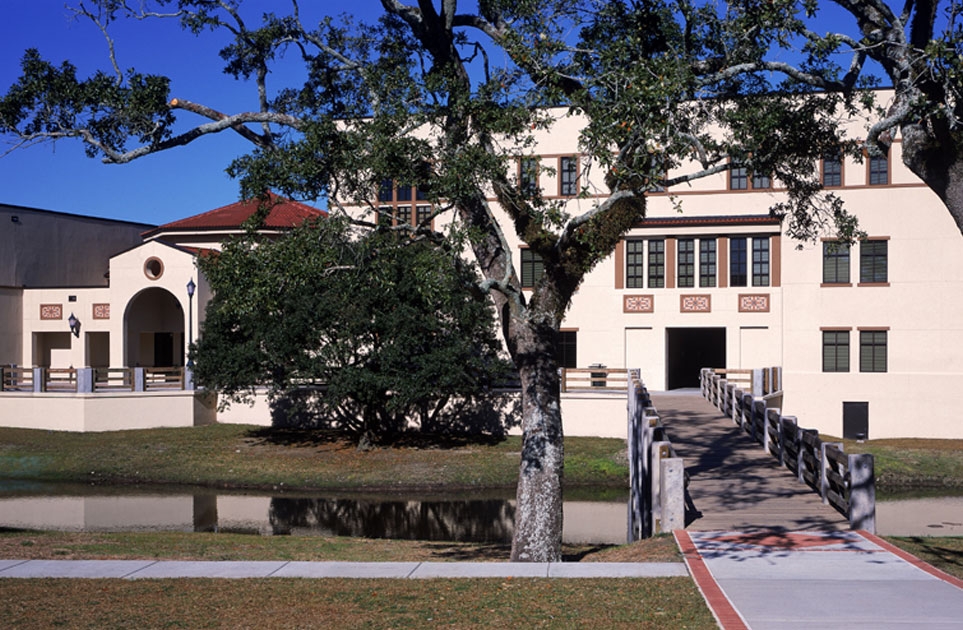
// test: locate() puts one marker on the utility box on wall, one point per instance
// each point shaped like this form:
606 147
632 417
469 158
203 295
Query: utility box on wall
856 420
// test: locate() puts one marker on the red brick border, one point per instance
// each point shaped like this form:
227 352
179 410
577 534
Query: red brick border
722 609
916 562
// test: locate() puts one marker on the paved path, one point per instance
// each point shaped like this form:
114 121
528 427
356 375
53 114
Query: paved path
140 569
802 580
733 482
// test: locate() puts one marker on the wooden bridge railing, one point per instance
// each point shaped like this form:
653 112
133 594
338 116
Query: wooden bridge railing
594 379
845 481
657 477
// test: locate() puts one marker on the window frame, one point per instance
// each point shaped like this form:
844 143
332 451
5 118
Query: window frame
561 176
869 344
532 188
635 263
744 276
839 357
655 263
536 264
566 338
869 262
838 159
685 263
872 169
707 280
763 277
832 261
400 204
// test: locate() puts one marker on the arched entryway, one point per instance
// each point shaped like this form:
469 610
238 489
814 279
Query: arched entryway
154 330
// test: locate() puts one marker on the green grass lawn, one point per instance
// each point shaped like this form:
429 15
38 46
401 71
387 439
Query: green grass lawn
245 457
943 552
50 545
669 603
912 462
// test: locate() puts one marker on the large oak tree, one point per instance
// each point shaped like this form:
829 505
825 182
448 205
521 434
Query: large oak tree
418 98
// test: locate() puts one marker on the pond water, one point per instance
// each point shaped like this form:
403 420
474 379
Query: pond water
591 515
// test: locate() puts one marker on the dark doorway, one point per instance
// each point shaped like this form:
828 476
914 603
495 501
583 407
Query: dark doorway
688 350
856 420
163 349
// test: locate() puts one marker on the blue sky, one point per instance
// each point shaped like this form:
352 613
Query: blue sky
159 188
165 186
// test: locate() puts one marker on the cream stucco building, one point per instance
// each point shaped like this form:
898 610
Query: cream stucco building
870 338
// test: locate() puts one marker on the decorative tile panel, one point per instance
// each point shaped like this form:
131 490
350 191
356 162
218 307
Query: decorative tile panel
695 303
101 311
638 303
51 311
753 302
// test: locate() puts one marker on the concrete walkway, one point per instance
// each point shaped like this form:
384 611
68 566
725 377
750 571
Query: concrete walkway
805 579
140 569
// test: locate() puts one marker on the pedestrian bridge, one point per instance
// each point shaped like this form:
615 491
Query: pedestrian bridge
733 482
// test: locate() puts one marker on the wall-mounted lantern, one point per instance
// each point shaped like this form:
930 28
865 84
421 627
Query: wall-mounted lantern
74 324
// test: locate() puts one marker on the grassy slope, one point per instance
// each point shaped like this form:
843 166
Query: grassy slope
912 462
239 456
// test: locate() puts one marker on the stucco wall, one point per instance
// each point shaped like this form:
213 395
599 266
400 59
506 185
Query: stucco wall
11 316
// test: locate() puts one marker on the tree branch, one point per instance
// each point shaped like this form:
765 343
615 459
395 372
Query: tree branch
261 141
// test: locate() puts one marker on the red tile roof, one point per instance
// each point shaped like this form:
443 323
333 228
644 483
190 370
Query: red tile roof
284 214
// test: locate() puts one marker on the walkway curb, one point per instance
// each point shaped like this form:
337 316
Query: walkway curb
151 569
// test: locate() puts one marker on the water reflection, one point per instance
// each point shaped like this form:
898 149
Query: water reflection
485 517
467 521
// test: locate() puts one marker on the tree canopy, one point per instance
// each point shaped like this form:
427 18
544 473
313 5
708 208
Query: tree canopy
445 98
356 334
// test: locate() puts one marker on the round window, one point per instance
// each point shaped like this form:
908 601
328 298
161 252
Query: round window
153 268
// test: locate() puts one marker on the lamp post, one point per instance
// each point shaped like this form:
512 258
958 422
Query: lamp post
190 320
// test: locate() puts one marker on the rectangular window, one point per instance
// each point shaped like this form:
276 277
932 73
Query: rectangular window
737 261
404 192
761 182
634 264
833 171
656 264
872 261
566 347
878 170
419 194
872 351
386 190
835 351
568 176
835 262
738 178
421 215
532 268
403 215
528 175
686 259
760 262
707 262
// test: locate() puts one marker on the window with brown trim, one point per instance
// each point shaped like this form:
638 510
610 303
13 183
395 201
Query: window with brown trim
532 268
738 178
832 171
685 250
760 261
872 351
707 262
634 263
835 262
835 350
873 263
528 175
878 170
568 176
566 348
656 263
